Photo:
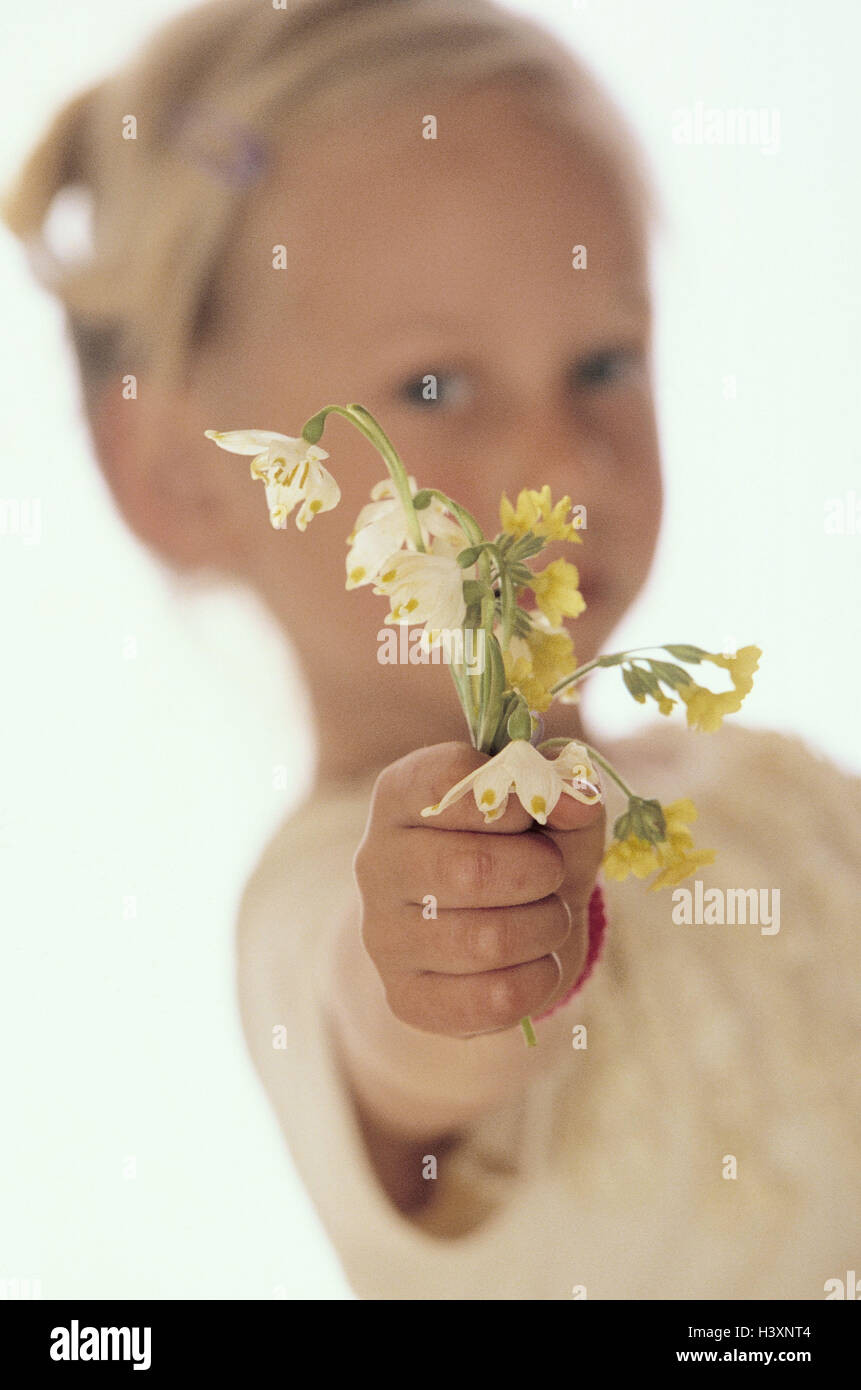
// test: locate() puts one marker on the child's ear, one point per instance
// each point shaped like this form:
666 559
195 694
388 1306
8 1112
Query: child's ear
160 470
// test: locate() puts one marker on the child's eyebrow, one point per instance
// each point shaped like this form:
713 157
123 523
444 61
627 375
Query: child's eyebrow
631 295
426 321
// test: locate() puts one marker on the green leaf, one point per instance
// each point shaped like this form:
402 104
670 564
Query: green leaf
649 682
647 820
674 676
682 652
526 546
636 685
469 556
313 428
520 575
523 624
473 591
520 722
622 827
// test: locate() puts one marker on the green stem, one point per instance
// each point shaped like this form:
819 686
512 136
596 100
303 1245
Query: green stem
463 685
468 523
506 594
599 661
365 423
577 675
528 1032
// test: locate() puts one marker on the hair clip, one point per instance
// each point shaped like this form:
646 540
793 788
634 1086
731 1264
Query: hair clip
221 145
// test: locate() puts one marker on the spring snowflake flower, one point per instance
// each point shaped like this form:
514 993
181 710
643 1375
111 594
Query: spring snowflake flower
381 529
538 782
424 589
556 592
674 856
290 469
535 512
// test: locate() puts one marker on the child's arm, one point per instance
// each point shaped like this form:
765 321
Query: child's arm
408 990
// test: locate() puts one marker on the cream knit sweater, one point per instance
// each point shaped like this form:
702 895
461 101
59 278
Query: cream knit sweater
710 1048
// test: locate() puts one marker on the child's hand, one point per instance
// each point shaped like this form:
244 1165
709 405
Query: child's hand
501 892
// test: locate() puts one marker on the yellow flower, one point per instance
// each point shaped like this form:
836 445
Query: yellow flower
520 676
535 512
741 666
674 856
706 708
556 592
534 663
552 655
631 856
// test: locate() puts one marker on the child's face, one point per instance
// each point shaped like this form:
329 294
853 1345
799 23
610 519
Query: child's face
452 257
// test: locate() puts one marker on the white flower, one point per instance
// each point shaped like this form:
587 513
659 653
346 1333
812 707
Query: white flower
538 782
289 468
381 529
423 588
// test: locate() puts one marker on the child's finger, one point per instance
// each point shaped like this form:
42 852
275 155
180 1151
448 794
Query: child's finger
463 868
571 814
423 777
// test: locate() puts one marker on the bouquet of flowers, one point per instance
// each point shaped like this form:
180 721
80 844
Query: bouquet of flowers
467 593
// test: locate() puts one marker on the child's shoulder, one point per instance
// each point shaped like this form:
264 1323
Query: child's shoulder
737 761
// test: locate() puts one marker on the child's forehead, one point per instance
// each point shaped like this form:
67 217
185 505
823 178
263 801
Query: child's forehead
473 210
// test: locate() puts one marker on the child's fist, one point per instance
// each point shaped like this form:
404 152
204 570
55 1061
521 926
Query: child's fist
472 926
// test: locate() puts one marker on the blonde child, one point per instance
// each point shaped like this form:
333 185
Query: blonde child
688 1125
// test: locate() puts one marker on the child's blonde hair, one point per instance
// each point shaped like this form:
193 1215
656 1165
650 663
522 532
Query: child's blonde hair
169 150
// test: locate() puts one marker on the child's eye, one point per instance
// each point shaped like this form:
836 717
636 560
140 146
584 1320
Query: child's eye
434 390
608 368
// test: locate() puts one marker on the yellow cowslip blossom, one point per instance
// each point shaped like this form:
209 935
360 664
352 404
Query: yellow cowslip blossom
674 856
535 512
706 708
538 782
521 677
534 664
663 701
556 591
741 666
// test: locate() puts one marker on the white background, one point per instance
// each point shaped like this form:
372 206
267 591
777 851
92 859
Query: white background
144 726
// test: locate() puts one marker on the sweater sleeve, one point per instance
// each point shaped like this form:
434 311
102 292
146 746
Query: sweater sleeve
470 1240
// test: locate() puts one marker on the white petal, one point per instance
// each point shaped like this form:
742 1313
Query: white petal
538 785
320 491
453 794
247 441
375 542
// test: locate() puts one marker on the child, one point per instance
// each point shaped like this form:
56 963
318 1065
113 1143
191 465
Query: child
688 1125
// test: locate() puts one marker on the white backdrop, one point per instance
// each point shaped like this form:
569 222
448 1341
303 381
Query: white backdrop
145 726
